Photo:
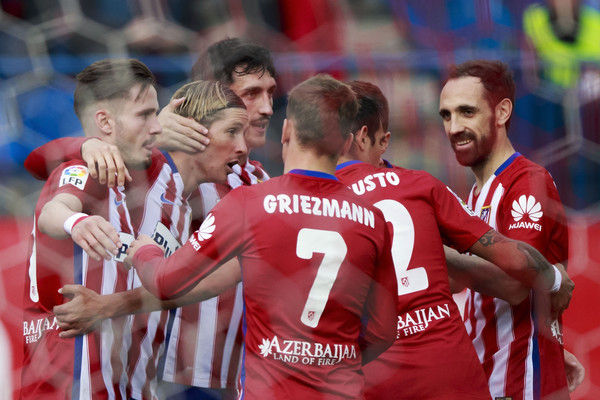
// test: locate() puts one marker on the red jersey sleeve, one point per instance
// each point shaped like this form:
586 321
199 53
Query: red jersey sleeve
216 241
73 177
42 161
459 225
533 213
379 324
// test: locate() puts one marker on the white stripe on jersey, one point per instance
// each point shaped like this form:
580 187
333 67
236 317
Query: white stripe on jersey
210 196
85 386
236 316
205 345
168 373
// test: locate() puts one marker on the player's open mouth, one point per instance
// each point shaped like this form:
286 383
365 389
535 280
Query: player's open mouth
463 142
230 166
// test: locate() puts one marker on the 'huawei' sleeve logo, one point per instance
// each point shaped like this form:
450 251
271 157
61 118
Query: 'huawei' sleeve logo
207 228
526 205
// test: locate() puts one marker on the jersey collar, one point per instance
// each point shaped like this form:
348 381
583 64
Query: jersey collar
170 161
346 164
506 163
314 174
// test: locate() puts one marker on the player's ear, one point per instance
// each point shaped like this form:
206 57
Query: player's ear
361 137
347 144
384 142
503 111
286 131
102 118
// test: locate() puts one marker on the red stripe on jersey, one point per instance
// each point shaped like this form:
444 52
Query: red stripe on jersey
517 365
488 334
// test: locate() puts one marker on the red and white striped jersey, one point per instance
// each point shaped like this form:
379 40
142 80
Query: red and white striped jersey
521 355
204 343
91 366
165 216
315 303
157 209
432 357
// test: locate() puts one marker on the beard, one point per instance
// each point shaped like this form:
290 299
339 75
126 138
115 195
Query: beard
481 149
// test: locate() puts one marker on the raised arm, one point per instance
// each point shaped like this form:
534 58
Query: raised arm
103 160
87 309
43 160
180 133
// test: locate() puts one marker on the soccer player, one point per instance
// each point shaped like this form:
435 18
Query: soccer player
165 215
76 238
319 286
206 361
432 357
203 355
519 346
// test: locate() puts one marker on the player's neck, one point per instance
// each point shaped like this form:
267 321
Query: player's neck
309 161
485 169
355 156
190 175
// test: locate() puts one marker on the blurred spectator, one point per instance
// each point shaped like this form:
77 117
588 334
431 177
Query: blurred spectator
563 35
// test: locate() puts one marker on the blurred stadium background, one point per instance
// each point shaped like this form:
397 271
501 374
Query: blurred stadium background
404 46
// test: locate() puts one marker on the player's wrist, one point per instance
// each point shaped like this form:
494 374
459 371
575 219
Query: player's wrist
557 280
72 221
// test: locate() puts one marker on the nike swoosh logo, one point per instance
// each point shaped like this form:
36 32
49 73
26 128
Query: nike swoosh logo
118 203
164 200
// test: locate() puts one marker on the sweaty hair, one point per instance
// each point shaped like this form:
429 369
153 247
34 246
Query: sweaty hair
323 111
110 79
204 100
495 76
232 57
373 108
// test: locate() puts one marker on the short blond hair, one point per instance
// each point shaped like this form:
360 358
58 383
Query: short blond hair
204 100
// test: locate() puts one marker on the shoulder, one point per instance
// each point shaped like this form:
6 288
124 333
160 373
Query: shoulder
525 170
524 177
419 180
74 172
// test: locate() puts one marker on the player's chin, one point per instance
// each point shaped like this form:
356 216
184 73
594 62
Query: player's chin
255 137
142 163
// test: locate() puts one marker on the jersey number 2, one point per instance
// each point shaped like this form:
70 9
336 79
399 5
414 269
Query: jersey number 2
332 245
403 242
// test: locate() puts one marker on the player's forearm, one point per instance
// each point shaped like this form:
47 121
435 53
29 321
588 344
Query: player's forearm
54 214
172 277
483 277
41 161
223 278
518 259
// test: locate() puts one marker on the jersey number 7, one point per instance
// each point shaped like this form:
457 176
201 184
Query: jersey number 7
333 246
